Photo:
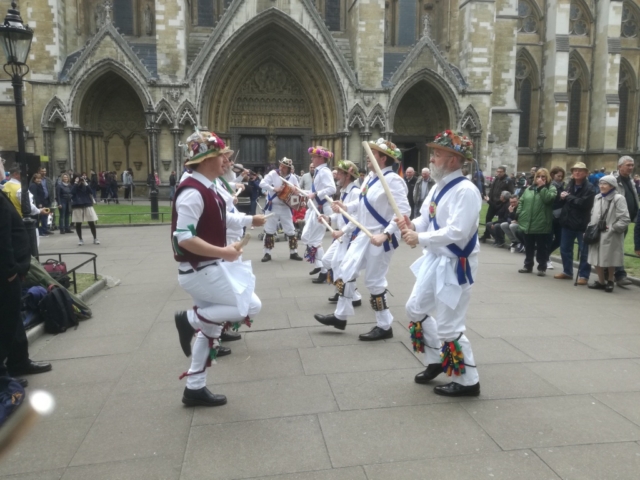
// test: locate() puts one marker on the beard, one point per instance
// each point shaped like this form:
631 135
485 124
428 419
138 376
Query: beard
229 175
438 173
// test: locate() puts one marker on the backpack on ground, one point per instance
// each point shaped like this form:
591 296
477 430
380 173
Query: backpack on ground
56 309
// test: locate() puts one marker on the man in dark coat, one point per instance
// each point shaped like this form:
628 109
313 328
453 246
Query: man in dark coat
501 183
577 202
410 179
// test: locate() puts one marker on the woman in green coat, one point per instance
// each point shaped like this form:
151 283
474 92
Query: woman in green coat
535 218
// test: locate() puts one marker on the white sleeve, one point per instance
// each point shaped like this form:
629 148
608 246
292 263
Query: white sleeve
189 207
34 210
265 183
399 192
325 185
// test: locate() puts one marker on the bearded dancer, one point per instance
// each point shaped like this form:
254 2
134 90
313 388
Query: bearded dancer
313 232
222 292
350 192
375 213
281 211
447 229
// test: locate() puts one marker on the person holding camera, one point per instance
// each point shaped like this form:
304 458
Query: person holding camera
610 212
82 207
63 197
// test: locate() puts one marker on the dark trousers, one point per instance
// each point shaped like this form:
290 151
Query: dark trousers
536 243
620 272
555 239
253 206
491 212
10 321
566 250
127 192
493 229
43 224
65 215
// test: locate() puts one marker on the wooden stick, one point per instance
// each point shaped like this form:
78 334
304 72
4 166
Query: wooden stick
383 182
351 219
243 241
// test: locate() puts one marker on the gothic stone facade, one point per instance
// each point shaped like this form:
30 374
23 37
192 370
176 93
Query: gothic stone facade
115 86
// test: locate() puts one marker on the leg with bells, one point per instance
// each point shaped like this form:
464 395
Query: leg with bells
270 228
375 280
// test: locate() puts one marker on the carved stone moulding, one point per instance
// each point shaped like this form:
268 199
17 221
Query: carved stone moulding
167 164
62 164
117 164
138 165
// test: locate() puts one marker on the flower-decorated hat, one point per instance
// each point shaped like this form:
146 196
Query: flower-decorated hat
287 162
320 152
349 167
387 147
453 143
203 145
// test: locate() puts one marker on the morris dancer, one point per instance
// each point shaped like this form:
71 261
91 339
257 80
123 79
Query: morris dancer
376 214
350 192
447 229
222 292
313 232
281 211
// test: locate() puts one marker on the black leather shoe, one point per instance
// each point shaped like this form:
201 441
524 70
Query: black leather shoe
29 368
185 331
525 270
376 333
322 278
356 303
334 299
223 351
454 389
266 258
431 372
230 336
202 397
295 256
331 321
315 271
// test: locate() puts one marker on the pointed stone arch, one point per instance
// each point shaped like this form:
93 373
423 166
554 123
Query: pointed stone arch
358 119
471 120
186 114
378 118
164 113
525 56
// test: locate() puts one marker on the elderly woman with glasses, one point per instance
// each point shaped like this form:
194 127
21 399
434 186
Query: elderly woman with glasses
535 218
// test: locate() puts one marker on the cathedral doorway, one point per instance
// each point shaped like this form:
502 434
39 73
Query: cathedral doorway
112 134
421 113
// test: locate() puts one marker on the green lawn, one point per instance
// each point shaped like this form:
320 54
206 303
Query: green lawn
119 214
631 265
84 281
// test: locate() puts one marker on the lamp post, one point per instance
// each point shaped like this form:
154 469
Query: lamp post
15 38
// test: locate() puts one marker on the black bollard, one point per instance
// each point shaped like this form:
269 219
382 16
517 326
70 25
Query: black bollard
154 204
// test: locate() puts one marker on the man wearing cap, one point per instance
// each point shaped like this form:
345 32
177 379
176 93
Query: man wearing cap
280 210
447 229
375 213
313 233
577 202
347 173
198 234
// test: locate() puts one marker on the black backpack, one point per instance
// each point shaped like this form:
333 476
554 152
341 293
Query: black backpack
56 310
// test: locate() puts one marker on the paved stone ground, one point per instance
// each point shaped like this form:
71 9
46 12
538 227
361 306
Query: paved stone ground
559 368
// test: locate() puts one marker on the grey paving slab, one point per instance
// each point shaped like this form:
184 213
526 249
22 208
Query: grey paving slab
280 397
353 358
78 401
304 318
55 474
154 468
621 345
352 473
323 336
563 348
136 426
523 327
626 404
590 376
292 338
249 449
551 421
523 465
620 461
382 435
513 381
257 366
65 347
497 350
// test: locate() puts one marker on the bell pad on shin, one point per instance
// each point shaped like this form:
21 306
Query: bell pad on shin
379 302
293 242
340 286
269 241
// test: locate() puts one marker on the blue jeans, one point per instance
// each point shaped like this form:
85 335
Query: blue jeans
567 240
65 214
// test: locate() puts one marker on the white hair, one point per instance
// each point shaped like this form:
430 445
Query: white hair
625 159
426 170
410 168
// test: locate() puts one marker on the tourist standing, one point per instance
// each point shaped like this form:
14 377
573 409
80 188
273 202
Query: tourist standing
82 209
410 179
63 197
627 189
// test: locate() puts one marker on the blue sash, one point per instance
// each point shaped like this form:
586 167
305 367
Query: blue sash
317 199
378 217
344 195
463 269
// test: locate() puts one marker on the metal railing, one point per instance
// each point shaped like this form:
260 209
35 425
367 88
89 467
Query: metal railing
73 270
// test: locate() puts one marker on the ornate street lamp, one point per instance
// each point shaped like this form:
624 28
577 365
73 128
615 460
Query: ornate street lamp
15 38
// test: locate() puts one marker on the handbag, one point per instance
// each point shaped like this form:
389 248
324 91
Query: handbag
52 266
592 234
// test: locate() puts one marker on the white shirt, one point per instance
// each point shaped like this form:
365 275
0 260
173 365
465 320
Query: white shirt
306 181
324 185
236 220
457 214
189 207
378 200
353 193
272 180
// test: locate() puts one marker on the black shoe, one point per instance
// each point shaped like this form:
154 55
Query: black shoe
223 351
29 368
609 287
68 230
322 278
482 239
331 321
62 232
356 303
376 333
202 397
498 245
454 389
431 372
24 383
266 258
185 331
334 299
315 271
525 270
230 336
597 286
295 256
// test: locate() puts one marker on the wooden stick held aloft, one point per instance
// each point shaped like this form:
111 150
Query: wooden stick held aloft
362 228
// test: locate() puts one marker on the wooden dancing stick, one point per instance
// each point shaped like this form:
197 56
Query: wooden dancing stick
383 182
351 219
243 242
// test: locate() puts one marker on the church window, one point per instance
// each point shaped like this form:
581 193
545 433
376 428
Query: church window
332 14
123 16
624 94
205 13
578 20
629 27
527 21
575 104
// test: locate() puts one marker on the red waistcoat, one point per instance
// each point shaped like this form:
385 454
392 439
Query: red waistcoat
211 227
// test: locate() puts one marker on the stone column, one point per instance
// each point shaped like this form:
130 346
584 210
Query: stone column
177 155
605 103
152 133
72 147
171 39
366 19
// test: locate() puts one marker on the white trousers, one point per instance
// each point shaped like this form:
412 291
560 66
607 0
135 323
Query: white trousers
281 214
312 236
332 259
216 302
443 323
